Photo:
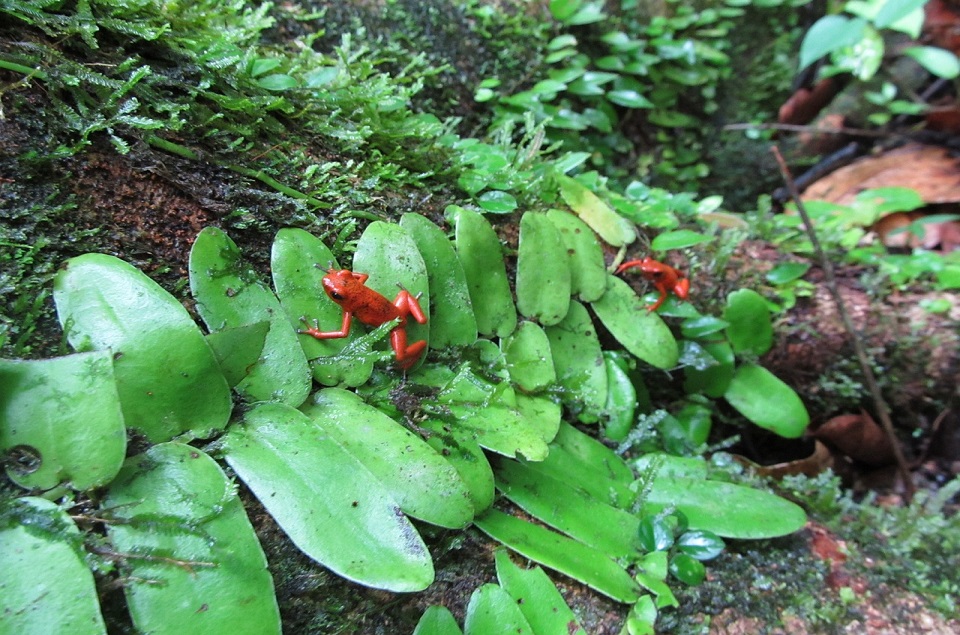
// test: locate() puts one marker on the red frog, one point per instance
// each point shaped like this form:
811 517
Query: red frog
665 279
348 290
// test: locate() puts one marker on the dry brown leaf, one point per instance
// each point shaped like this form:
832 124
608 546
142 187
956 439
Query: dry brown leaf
928 169
857 436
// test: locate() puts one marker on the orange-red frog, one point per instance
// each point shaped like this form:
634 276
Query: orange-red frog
348 289
665 279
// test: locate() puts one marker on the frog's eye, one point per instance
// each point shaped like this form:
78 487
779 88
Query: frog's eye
336 295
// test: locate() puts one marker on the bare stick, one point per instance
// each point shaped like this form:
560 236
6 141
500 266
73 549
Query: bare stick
868 377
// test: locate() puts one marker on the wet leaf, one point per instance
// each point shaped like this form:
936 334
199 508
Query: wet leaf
238 349
329 504
205 570
529 360
45 586
167 377
230 295
766 401
65 413
714 380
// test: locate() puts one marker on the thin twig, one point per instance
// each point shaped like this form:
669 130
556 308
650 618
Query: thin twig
871 381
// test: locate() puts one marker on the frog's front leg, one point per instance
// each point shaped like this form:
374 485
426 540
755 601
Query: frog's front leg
314 331
407 304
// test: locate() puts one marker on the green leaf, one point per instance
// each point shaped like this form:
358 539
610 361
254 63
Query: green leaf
787 272
402 461
327 502
229 295
237 349
388 254
560 553
629 98
497 202
570 510
655 533
612 228
478 248
64 412
893 11
750 327
938 61
492 611
277 82
698 327
529 361
592 456
45 585
167 377
828 34
538 599
687 569
578 361
588 273
713 380
642 332
459 448
863 57
766 401
620 411
437 620
452 321
543 272
541 414
678 239
700 544
204 570
726 509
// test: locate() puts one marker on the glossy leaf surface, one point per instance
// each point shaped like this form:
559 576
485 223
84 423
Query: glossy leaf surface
492 611
437 620
765 400
750 328
479 251
452 320
329 504
728 510
230 295
402 461
641 332
560 553
167 377
65 412
466 456
538 599
208 573
45 586
579 363
238 349
612 228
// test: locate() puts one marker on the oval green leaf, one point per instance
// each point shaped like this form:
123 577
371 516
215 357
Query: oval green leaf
529 360
437 620
728 510
402 461
497 202
678 239
45 585
230 295
66 412
482 258
750 328
204 571
327 502
452 322
492 611
168 379
538 599
560 553
712 380
578 360
762 398
588 274
612 228
466 456
642 332
543 271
